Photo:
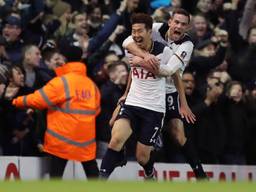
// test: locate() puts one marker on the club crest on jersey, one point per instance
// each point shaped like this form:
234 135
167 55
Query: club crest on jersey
183 54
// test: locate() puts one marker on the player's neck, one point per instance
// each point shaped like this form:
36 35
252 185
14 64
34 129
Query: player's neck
149 46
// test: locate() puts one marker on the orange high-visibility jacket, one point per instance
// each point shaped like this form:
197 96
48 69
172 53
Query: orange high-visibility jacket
73 102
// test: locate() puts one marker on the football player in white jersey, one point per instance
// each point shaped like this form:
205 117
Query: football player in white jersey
173 35
144 107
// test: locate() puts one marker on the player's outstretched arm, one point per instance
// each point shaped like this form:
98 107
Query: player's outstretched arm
184 110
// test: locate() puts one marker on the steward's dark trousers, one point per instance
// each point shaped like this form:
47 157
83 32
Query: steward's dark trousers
57 166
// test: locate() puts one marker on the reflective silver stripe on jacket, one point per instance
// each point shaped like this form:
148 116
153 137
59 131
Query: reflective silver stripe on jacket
67 92
69 141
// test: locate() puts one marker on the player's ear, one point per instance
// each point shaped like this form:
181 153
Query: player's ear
169 21
150 31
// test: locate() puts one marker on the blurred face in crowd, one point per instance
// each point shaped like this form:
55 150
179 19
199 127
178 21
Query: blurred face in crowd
96 15
120 74
55 60
80 22
236 92
17 77
141 35
132 5
178 25
209 50
253 93
110 58
67 14
252 36
253 20
204 5
200 25
33 56
223 76
159 15
176 3
11 32
189 83
214 82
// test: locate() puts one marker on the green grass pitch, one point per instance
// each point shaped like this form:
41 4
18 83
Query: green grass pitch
121 186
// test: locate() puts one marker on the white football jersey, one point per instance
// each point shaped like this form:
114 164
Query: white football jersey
148 90
182 49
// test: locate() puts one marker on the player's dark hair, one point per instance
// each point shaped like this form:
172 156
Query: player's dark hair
142 18
181 12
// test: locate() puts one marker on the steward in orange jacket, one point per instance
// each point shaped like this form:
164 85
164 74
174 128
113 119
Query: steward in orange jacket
73 102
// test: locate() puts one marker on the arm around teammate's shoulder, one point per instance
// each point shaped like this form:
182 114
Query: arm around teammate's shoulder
170 63
150 61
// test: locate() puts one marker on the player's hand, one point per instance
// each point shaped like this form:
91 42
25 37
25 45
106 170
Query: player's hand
186 113
114 115
121 99
151 63
136 61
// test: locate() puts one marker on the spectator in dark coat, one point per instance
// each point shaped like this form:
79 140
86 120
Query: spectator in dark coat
12 34
243 60
209 132
200 29
30 63
251 134
79 37
236 121
18 124
111 91
3 83
208 55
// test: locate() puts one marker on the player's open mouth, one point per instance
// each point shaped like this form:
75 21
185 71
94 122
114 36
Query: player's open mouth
138 40
177 32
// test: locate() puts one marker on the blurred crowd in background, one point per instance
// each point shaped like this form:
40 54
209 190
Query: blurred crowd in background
220 81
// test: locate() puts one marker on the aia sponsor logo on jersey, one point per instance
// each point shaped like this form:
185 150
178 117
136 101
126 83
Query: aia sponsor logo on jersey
142 74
